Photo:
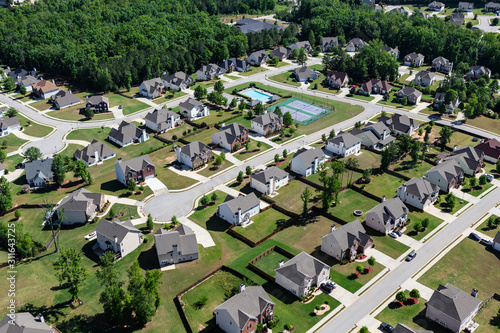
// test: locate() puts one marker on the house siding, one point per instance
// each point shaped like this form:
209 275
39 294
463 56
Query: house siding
342 150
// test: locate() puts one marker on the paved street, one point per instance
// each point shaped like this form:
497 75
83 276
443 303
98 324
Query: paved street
484 23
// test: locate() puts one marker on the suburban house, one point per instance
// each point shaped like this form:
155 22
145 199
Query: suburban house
268 181
375 86
39 172
418 192
240 209
228 65
452 308
64 99
24 322
436 6
119 237
492 7
328 43
80 206
44 89
209 72
305 162
301 45
401 124
242 65
379 129
401 328
369 139
245 310
304 73
247 25
496 241
301 274
457 18
344 144
413 58
258 58
9 125
387 215
280 52
465 6
97 103
151 88
94 153
162 120
468 158
412 95
448 108
266 123
347 241
231 137
27 82
355 45
173 247
446 175
19 72
177 81
491 149
138 169
337 80
424 78
192 108
194 154
126 134
393 51
476 72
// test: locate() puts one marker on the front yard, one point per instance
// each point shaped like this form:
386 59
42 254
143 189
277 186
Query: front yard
393 102
253 149
489 124
361 97
263 224
386 244
253 70
129 105
444 206
212 169
216 117
33 129
123 212
483 228
349 201
345 275
416 216
476 190
286 78
162 159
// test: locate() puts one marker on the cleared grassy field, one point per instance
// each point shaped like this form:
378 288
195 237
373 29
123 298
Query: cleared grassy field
349 201
384 184
263 224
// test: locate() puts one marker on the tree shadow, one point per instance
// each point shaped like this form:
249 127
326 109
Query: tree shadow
87 251
50 314
148 259
217 224
280 293
112 186
495 321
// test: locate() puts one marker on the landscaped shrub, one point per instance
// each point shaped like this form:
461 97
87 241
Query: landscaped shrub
371 261
318 307
287 326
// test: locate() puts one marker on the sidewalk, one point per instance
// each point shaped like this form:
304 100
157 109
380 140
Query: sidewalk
262 138
190 174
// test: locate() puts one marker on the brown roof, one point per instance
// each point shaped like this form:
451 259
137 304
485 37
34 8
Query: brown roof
490 148
45 86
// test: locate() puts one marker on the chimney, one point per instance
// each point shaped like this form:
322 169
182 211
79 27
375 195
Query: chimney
239 215
143 136
383 198
69 91
222 124
119 160
178 152
332 228
454 147
281 263
265 111
40 318
316 164
96 155
115 239
474 292
242 287
53 81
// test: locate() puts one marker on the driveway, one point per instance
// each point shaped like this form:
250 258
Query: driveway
484 23
156 185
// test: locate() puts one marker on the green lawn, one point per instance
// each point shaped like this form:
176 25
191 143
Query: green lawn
232 77
202 215
489 124
129 105
123 212
32 128
70 150
408 169
41 105
345 275
12 142
444 206
243 120
468 265
216 117
244 154
386 244
177 131
270 262
345 178
483 228
416 216
286 78
289 196
212 169
253 70
477 190
73 114
384 184
366 160
204 136
32 220
361 97
169 95
394 103
263 224
349 201
162 160
488 318
11 162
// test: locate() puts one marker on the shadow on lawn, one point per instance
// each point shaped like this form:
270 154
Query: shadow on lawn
421 321
148 259
280 293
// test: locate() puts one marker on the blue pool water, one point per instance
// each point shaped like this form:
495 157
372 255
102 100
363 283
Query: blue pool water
257 94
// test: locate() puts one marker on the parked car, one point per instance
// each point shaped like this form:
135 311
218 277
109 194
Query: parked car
333 284
326 288
474 236
91 235
475 139
486 242
399 233
393 235
386 327
489 178
412 255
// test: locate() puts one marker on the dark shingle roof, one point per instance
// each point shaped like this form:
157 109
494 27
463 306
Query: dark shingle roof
243 202
449 169
490 147
301 267
42 167
96 99
400 328
24 322
343 238
116 229
420 188
87 153
453 302
303 72
309 155
183 237
64 97
267 118
263 176
80 200
280 52
348 139
195 149
138 163
390 208
126 132
162 115
191 103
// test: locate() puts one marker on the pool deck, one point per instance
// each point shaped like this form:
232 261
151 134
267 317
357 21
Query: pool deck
258 92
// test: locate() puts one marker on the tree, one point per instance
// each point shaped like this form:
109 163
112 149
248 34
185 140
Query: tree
414 293
204 200
248 170
276 158
143 292
240 177
372 261
450 96
242 106
150 223
305 196
287 119
88 113
219 160
445 136
277 111
285 153
5 195
404 101
294 55
483 180
247 146
401 296
69 269
497 167
22 90
259 144
385 161
366 175
107 274
80 169
490 223
223 154
417 226
364 329
359 268
332 133
219 86
200 92
131 185
59 170
302 57
3 155
425 223
233 103
214 197
17 214
473 182
323 137
32 153
451 200
259 109
10 84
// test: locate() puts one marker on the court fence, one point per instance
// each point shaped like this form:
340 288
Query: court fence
303 117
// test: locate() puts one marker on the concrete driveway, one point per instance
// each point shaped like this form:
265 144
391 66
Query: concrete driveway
156 185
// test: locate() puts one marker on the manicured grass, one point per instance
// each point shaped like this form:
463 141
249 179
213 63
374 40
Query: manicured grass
349 201
253 70
344 178
483 228
129 105
204 136
281 63
169 95
70 150
394 103
416 216
404 77
444 206
243 120
361 97
384 184
202 214
489 318
477 190
124 212
215 117
366 160
289 196
468 265
270 262
12 142
212 169
263 224
489 124
177 131
345 275
286 78
162 160
73 114
33 129
386 244
32 220
407 168
253 149
11 162
41 105
232 77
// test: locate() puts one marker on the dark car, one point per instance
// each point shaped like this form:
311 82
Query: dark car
474 236
475 139
326 288
399 233
486 242
412 255
386 327
19 165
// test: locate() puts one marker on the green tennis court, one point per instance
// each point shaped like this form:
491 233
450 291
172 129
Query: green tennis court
302 112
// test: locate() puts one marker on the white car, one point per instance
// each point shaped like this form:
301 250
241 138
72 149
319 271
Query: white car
91 235
393 235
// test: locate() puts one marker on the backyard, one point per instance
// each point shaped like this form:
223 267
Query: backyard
384 185
204 136
216 117
408 169
269 262
489 318
263 224
289 196
367 159
349 201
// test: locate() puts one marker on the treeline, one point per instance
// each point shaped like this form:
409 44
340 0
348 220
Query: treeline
433 37
214 7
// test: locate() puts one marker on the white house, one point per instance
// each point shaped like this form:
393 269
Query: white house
119 237
126 134
258 58
344 144
305 162
496 241
94 153
192 108
418 193
268 181
9 125
162 120
387 215
267 123
194 154
240 209
151 88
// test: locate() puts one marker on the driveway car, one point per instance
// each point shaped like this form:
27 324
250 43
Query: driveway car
474 236
412 255
327 288
393 235
489 178
386 327
486 242
399 233
91 235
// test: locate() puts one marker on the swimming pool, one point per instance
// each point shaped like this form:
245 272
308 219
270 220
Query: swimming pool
257 94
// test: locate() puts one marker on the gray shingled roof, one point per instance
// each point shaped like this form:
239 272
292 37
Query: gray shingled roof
8 122
96 99
191 103
247 25
379 127
176 78
441 60
469 155
280 52
152 84
162 115
449 169
400 328
247 304
243 202
136 164
195 149
303 72
453 302
42 167
309 155
183 237
402 122
263 176
367 137
259 55
328 40
338 77
414 56
125 132
343 238
393 208
87 153
424 74
301 267
116 229
64 97
267 118
24 322
420 188
79 200
348 139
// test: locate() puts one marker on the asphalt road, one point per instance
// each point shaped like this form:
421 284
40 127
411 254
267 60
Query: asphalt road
484 23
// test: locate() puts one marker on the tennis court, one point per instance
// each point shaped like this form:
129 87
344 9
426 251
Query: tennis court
302 112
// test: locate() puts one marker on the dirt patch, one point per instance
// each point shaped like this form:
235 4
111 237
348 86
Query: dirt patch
324 308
